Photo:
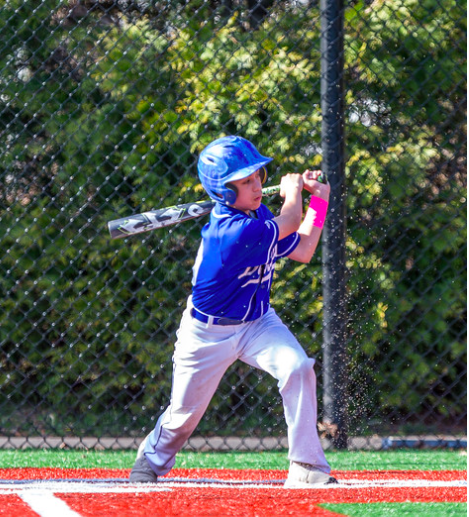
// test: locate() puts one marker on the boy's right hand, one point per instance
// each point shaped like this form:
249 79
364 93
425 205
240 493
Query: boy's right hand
291 184
312 184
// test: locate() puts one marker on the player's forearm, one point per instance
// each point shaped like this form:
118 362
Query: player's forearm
309 239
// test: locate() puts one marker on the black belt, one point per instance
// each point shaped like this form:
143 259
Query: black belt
215 321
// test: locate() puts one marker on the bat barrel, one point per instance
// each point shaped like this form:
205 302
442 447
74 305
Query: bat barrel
154 219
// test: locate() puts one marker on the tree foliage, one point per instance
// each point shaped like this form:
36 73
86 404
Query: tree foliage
103 110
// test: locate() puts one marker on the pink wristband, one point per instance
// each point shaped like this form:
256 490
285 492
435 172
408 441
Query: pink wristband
320 207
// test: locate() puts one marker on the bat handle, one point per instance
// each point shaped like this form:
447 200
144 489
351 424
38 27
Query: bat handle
275 189
322 178
268 191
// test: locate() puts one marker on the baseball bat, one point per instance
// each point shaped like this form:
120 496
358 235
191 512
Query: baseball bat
154 219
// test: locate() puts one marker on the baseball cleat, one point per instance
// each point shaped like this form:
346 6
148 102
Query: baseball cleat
142 472
302 475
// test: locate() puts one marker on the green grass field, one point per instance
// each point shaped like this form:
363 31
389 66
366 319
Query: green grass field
407 509
343 460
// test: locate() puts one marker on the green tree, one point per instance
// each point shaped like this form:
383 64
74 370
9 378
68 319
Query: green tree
103 111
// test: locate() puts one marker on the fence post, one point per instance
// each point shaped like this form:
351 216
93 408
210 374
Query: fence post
333 244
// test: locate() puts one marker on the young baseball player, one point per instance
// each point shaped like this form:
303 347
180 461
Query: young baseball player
228 315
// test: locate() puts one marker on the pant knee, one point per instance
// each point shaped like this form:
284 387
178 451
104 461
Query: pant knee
299 372
304 368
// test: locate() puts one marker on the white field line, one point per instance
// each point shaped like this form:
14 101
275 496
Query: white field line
83 488
343 484
45 504
64 487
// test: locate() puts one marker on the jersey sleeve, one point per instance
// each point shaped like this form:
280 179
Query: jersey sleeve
288 244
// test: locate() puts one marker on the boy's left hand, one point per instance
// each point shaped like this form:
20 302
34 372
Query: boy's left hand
311 184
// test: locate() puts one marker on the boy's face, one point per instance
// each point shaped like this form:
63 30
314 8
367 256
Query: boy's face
249 192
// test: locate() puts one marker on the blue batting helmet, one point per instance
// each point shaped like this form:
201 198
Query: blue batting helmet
228 159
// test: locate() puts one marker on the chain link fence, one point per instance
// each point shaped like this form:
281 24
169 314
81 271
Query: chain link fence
104 107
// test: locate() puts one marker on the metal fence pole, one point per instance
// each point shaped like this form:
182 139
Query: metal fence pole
332 105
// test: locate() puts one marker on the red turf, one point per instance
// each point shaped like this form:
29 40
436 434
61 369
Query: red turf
195 502
13 506
216 501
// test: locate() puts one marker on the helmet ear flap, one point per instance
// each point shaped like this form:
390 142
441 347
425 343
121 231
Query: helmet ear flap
231 194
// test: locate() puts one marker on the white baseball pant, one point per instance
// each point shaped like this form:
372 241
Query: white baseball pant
203 353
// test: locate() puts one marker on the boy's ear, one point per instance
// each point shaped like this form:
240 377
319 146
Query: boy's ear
263 174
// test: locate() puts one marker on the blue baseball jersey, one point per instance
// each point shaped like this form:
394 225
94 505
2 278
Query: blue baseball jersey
235 263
